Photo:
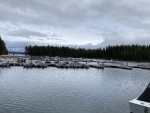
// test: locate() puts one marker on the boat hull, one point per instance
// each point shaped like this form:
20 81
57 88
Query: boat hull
137 106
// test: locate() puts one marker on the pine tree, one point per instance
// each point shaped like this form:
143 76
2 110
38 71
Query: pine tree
3 49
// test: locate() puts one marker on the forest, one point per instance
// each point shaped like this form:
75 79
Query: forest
118 52
3 49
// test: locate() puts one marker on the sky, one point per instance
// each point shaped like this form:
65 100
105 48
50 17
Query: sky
75 23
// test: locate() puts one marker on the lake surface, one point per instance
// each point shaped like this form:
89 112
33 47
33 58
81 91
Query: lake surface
53 90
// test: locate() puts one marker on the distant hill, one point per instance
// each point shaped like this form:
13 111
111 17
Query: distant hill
16 52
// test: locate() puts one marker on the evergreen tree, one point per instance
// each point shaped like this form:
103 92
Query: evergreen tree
122 52
3 49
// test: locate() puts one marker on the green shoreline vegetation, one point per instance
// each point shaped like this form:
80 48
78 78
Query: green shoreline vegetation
118 52
3 49
140 53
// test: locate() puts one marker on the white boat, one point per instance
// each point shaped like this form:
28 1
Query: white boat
39 64
142 103
59 65
142 66
108 61
124 66
4 64
98 65
145 66
28 63
48 63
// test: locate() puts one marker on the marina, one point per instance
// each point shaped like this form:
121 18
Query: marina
79 66
82 56
55 63
60 62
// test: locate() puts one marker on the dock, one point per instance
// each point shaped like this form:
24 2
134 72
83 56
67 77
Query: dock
60 62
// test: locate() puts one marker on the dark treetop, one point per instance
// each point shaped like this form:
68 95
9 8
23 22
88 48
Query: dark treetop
3 49
121 52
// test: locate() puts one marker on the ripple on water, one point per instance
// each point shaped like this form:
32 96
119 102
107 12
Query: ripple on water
53 90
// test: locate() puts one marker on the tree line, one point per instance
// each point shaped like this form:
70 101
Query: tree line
3 49
118 52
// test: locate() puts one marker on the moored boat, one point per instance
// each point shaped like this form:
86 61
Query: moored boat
39 64
28 64
4 64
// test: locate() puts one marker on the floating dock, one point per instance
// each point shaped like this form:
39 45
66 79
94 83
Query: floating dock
97 66
119 66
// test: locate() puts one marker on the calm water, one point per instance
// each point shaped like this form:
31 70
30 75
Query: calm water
55 90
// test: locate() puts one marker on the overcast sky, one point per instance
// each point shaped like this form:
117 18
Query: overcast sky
84 23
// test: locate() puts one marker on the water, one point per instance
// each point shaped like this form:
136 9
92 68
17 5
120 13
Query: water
53 90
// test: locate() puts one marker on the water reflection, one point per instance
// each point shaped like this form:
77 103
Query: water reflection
52 90
0 74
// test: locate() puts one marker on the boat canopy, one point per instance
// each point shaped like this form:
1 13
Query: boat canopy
145 96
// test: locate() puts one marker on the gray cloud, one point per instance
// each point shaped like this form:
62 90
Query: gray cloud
100 22
55 35
60 12
118 38
32 34
25 33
